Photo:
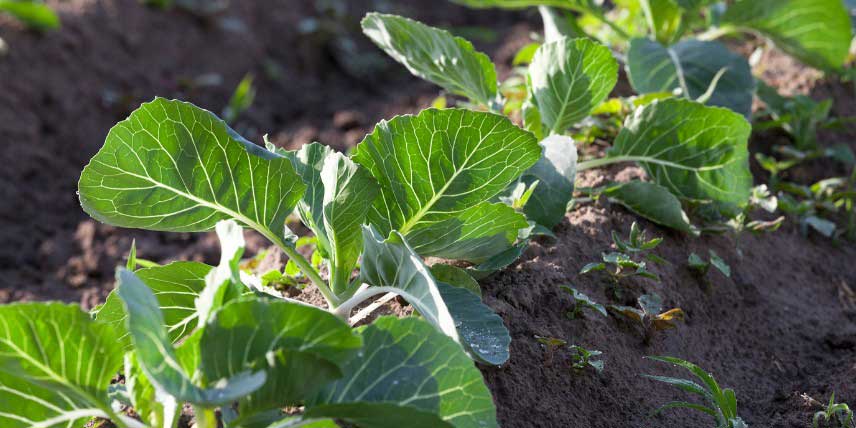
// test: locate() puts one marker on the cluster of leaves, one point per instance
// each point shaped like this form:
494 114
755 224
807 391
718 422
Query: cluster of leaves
721 402
834 413
621 262
582 301
702 266
669 48
580 358
699 157
217 337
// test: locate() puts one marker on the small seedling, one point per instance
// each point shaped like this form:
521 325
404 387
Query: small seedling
702 266
551 344
722 403
834 412
241 100
650 315
621 264
581 301
581 358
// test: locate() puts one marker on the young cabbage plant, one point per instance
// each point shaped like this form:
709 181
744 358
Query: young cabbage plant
699 155
721 404
620 265
582 358
670 45
217 337
702 267
581 302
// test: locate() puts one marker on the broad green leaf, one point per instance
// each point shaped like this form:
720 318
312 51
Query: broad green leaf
300 422
176 287
652 201
36 15
408 375
569 78
455 276
691 66
393 265
172 166
299 346
817 32
482 331
157 357
188 291
55 365
434 55
334 206
438 170
555 172
695 151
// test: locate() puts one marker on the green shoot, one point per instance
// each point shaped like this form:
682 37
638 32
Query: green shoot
721 404
834 413
582 358
581 301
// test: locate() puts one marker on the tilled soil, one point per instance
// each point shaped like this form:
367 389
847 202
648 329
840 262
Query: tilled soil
781 329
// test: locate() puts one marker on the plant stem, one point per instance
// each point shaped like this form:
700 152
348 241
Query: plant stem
205 417
305 267
717 32
344 310
618 30
594 163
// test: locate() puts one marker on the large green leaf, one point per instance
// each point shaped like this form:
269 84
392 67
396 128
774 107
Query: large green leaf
438 170
335 205
409 375
435 55
651 201
55 365
176 287
481 331
692 65
175 167
158 358
695 151
187 292
817 32
394 267
301 347
664 18
555 172
694 4
569 78
35 15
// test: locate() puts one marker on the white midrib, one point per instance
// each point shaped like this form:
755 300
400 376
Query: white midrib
437 195
582 166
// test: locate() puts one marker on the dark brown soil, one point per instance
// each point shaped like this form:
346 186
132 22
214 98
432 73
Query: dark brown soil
780 327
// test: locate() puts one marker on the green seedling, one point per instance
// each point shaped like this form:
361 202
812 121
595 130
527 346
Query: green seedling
581 301
834 413
551 344
721 404
620 265
702 267
649 315
241 100
582 358
816 206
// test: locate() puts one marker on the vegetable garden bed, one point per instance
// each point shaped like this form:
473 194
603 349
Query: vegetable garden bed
667 249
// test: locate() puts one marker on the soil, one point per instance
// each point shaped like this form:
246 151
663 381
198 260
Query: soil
782 328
